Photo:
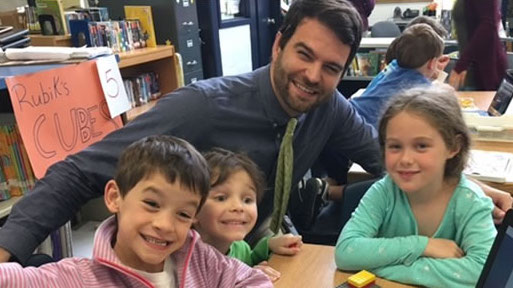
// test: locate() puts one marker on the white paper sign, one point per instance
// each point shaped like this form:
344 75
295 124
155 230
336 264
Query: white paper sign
112 85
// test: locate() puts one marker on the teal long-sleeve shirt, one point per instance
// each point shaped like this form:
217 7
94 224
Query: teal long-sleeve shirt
382 236
242 251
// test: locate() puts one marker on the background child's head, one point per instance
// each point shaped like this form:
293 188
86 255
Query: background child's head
435 25
439 107
418 47
159 186
230 211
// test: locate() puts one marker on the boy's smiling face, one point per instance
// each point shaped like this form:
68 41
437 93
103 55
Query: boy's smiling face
154 218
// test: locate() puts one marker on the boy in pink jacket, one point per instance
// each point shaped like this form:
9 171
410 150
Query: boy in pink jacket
160 184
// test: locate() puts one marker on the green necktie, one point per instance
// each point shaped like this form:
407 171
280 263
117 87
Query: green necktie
283 176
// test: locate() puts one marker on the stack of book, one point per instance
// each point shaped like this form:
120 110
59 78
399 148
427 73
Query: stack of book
367 64
121 36
141 89
13 37
16 175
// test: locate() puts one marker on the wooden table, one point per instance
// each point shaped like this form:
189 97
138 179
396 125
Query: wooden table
482 100
314 266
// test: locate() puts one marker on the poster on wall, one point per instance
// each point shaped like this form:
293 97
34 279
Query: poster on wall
60 112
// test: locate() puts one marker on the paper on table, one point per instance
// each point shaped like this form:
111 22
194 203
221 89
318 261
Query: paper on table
490 166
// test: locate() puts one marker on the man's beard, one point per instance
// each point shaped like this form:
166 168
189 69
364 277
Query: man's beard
282 82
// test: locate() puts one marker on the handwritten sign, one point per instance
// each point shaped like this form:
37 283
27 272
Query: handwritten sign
59 112
112 85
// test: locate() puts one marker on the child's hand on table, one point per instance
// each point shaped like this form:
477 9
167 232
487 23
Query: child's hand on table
272 274
287 244
442 248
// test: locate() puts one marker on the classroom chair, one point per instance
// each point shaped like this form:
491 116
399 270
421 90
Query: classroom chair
385 29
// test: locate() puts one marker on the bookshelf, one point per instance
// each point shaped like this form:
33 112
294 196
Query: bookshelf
130 115
50 40
161 60
5 206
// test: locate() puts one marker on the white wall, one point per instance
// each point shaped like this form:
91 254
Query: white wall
235 45
8 5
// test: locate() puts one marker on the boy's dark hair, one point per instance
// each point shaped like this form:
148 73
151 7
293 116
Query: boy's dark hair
223 163
174 158
417 44
439 106
434 24
338 15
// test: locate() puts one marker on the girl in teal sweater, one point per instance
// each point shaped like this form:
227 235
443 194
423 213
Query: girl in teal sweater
230 212
424 223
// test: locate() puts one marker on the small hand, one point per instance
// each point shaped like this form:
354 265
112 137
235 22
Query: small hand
287 244
442 248
502 201
456 79
4 255
442 62
268 270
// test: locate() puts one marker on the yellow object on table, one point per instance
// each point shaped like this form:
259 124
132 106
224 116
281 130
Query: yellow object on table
361 279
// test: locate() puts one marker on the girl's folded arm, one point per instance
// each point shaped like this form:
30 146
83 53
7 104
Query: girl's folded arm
477 234
358 246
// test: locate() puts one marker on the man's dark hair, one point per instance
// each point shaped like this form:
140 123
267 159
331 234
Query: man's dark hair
224 163
338 15
174 158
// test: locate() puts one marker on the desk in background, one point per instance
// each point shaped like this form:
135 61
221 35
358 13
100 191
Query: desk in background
314 266
482 100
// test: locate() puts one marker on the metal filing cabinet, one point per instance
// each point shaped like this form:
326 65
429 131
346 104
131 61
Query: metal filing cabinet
174 20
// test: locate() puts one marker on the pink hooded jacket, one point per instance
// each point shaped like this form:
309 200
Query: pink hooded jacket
197 265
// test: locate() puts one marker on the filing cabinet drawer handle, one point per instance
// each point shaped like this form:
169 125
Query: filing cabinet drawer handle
191 63
190 23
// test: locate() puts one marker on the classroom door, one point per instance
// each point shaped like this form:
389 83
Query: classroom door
219 18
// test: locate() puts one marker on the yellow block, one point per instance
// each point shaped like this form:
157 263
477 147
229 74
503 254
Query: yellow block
361 278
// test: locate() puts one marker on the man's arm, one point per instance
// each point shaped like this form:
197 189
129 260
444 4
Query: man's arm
503 201
353 139
69 184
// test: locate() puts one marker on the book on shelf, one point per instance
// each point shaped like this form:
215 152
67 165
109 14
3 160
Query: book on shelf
51 15
16 175
142 88
367 64
144 15
121 36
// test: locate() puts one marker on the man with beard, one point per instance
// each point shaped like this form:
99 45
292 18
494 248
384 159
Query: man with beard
246 113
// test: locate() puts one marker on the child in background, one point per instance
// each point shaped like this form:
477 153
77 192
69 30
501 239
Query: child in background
434 24
417 53
230 212
424 223
160 184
